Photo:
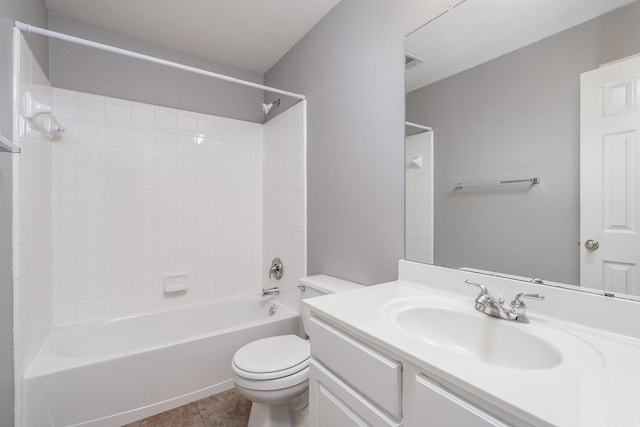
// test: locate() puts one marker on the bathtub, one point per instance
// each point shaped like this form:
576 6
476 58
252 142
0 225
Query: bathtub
112 372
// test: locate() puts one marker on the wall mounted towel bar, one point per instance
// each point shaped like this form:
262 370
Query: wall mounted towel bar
6 146
478 186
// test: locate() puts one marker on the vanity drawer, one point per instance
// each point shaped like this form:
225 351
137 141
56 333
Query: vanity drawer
374 375
333 403
435 405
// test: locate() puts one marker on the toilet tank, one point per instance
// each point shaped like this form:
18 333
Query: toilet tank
319 285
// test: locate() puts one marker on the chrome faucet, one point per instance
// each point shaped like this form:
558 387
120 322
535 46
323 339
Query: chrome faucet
488 304
270 291
491 306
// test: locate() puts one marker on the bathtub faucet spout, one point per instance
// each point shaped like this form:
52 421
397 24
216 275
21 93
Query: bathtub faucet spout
270 291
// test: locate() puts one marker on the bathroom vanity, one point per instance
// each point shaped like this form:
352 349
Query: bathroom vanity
415 352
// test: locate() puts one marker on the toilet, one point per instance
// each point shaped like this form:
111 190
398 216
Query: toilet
273 372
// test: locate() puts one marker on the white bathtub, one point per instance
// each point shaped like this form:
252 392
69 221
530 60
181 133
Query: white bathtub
113 372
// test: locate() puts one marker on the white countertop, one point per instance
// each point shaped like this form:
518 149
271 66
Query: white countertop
605 393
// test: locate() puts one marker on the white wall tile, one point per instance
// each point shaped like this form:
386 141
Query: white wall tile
165 142
186 123
186 181
141 302
64 199
117 263
32 237
117 241
64 104
206 126
64 313
90 198
90 309
117 114
186 257
156 190
117 305
90 287
142 139
65 290
117 221
142 261
65 244
142 116
90 243
187 144
65 176
90 265
117 178
117 200
89 133
142 220
65 267
165 119
142 180
89 155
117 136
165 162
90 222
64 152
143 160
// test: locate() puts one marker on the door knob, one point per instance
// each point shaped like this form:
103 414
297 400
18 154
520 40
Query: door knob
592 245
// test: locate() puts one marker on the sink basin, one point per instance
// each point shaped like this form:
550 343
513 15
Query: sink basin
454 326
482 338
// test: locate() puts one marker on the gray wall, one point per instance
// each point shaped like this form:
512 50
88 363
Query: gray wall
517 116
90 70
350 65
32 11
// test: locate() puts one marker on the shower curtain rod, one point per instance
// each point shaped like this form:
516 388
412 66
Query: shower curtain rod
415 125
77 40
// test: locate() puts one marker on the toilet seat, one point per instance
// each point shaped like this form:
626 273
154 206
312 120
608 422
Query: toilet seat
272 358
300 377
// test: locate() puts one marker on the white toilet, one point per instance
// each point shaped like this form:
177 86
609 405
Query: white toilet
274 372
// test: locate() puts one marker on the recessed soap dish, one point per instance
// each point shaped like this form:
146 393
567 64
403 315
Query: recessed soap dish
175 282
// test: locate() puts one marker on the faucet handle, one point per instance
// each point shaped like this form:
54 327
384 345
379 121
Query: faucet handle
483 288
518 306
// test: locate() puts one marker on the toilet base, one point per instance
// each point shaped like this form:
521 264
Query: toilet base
291 414
269 415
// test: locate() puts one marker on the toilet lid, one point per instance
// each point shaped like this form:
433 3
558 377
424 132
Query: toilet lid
269 357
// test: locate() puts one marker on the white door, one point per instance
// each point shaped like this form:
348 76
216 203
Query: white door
610 177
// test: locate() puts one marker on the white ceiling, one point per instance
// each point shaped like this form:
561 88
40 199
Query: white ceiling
477 31
250 34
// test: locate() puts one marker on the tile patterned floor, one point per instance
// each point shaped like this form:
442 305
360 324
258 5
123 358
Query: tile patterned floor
227 409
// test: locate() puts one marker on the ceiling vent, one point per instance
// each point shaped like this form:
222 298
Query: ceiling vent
411 61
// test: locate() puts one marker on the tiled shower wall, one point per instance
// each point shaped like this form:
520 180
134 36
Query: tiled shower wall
32 230
133 192
419 198
141 192
285 206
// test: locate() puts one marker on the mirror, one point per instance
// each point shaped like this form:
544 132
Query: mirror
500 87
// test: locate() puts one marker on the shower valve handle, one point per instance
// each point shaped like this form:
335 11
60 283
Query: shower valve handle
276 270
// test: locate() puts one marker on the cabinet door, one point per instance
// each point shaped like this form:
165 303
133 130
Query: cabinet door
434 405
373 374
332 403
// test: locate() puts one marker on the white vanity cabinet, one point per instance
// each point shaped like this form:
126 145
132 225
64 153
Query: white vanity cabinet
433 404
353 384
